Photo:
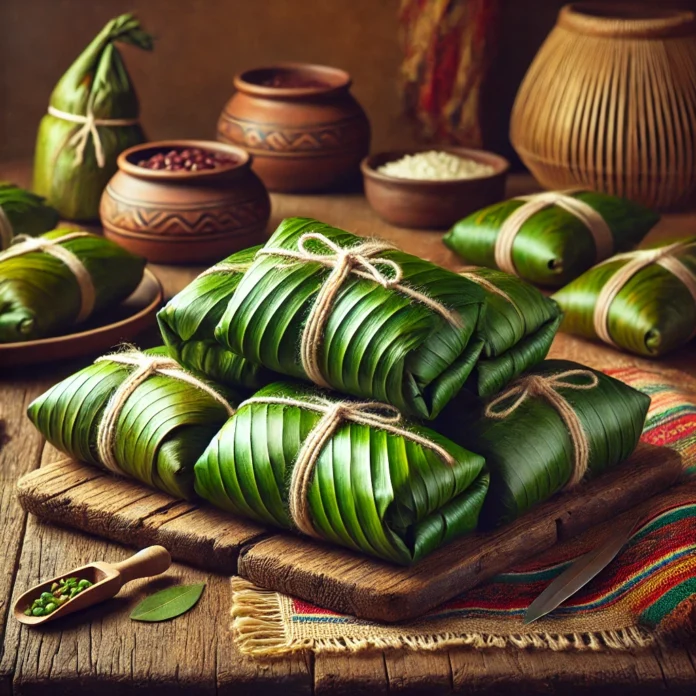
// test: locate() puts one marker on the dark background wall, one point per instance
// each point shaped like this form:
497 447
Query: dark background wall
201 44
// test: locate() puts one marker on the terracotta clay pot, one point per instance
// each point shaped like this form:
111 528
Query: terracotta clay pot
183 216
301 123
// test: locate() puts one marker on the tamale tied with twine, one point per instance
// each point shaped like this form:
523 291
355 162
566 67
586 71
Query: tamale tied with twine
558 423
23 213
552 237
642 301
93 115
354 473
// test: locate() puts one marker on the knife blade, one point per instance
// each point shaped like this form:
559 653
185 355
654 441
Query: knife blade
579 573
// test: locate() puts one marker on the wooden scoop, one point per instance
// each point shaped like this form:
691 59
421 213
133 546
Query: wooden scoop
106 578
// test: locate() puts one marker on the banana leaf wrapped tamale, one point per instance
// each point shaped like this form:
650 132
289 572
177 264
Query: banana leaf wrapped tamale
137 414
352 473
642 301
356 315
558 423
518 326
23 213
92 117
51 282
550 238
188 322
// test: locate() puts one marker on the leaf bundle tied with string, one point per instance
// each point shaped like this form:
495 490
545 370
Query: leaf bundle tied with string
23 213
51 283
547 431
92 117
359 316
136 414
550 238
188 322
642 301
350 472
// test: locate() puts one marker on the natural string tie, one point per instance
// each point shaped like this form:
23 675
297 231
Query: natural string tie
493 289
547 388
145 366
638 260
89 128
593 221
360 260
370 413
26 245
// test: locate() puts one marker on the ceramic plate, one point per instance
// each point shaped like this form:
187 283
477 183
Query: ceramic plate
105 331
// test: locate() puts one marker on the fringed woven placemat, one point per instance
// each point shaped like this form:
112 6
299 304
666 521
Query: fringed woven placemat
646 594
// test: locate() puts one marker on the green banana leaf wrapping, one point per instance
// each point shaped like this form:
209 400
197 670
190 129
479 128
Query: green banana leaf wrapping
163 427
369 489
518 326
376 342
529 452
23 213
188 322
553 246
96 82
40 296
653 312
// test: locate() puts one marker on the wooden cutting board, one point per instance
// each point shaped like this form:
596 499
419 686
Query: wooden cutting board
94 501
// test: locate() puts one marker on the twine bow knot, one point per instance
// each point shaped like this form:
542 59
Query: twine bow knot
547 388
146 366
89 123
22 244
360 260
371 413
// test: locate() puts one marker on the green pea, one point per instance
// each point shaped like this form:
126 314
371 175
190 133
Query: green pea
38 611
51 606
54 587
46 596
27 611
84 583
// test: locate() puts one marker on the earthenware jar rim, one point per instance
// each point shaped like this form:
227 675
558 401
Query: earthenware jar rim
127 161
623 20
336 80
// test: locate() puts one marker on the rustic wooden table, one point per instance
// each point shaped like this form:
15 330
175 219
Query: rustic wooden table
102 651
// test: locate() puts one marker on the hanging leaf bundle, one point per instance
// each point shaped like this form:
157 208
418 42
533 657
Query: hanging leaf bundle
642 301
518 326
92 117
558 423
352 473
550 238
188 322
52 282
136 414
23 213
321 304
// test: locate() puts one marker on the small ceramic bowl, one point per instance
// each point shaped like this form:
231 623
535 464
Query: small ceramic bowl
426 204
182 217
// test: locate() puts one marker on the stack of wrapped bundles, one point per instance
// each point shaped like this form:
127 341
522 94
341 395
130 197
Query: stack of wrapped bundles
550 238
375 340
361 317
643 301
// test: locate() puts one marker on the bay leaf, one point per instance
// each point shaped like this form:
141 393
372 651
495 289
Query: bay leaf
169 603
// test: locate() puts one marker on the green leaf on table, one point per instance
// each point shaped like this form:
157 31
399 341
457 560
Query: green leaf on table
169 603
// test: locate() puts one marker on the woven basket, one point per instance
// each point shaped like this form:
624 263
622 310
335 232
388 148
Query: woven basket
609 103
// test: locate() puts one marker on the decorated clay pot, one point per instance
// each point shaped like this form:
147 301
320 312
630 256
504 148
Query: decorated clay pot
185 216
301 123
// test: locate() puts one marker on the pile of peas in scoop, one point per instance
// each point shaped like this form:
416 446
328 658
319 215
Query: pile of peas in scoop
61 592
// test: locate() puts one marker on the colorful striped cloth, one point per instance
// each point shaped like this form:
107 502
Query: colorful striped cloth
647 592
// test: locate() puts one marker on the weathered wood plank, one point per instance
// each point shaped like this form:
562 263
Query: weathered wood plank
118 509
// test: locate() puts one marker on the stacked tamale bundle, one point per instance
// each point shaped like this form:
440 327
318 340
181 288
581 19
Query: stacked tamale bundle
550 238
23 213
642 301
52 282
370 341
92 117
